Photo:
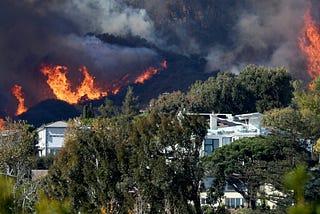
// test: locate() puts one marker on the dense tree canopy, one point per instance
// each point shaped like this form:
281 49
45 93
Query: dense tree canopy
88 168
248 164
166 161
17 149
146 164
254 89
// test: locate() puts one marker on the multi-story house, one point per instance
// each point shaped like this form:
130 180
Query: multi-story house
224 129
51 137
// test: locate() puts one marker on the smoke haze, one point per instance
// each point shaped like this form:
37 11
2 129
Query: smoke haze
229 34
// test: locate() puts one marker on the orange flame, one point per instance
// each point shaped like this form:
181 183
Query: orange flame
61 86
17 92
2 126
164 64
151 71
309 43
146 75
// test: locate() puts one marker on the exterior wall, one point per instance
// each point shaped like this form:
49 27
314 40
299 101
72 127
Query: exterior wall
231 199
42 142
55 140
220 136
51 138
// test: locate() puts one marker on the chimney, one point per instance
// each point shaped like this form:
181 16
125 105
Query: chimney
213 121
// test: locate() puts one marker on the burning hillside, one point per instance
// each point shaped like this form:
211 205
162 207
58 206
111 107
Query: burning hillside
310 44
49 51
61 86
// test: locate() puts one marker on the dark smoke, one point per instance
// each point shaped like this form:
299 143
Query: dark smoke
229 34
36 31
234 33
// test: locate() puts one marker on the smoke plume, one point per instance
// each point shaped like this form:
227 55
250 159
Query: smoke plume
33 32
229 34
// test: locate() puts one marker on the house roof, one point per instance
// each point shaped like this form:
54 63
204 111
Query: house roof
57 124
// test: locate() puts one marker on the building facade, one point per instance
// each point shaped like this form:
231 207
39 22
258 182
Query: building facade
51 138
224 129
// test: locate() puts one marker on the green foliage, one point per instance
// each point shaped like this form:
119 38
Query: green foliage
88 169
88 111
296 180
309 99
130 105
253 162
254 89
169 102
165 161
17 149
108 109
149 163
6 195
43 162
49 206
287 121
271 88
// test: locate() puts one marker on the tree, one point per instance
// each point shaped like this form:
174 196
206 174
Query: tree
169 103
6 195
108 109
272 88
166 161
17 149
254 89
88 170
88 111
250 163
296 180
130 105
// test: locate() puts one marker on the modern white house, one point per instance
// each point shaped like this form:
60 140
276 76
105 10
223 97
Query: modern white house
51 137
224 129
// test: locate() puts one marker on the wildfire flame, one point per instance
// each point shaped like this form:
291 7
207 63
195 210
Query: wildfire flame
309 43
17 92
164 64
61 86
151 71
2 126
146 75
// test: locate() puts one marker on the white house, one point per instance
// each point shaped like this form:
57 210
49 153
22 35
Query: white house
51 137
224 129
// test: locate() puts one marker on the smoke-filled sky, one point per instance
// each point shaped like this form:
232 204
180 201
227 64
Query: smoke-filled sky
229 34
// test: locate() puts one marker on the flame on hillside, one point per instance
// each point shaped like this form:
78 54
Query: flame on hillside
17 92
309 43
150 72
2 125
61 86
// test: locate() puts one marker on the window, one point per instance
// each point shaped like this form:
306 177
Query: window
234 202
226 140
203 201
53 151
210 145
238 203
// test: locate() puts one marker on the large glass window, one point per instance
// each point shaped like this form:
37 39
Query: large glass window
234 202
238 204
210 145
226 140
